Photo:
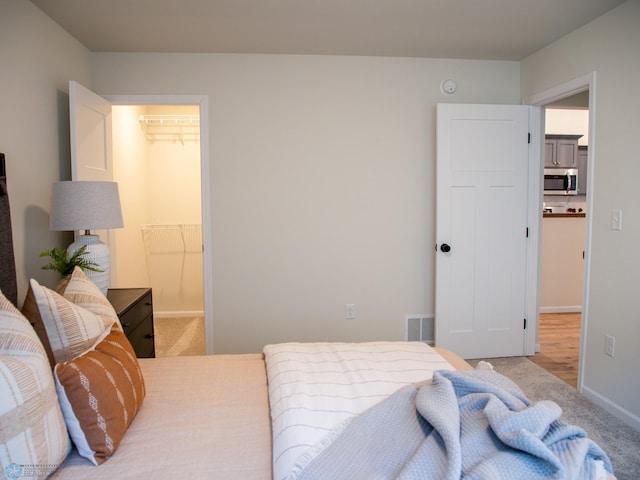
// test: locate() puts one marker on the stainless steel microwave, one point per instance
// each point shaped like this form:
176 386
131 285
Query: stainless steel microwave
560 181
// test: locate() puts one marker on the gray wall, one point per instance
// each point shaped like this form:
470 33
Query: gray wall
322 183
39 58
609 46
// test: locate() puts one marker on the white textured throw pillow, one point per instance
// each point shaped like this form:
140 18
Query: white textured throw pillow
71 329
81 290
33 436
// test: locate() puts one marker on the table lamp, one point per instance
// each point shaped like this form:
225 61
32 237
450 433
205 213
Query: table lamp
87 205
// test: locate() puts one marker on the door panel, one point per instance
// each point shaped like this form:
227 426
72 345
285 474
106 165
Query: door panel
90 122
482 167
91 147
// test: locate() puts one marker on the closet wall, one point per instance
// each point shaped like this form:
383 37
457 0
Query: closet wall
157 166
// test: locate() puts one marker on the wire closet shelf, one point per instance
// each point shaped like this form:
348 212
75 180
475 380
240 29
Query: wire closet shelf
177 128
174 265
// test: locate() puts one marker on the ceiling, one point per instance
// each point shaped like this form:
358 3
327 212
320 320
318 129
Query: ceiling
472 29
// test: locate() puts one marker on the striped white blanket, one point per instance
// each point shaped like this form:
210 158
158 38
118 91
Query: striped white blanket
314 387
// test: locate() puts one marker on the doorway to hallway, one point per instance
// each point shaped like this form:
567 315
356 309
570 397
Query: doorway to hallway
583 85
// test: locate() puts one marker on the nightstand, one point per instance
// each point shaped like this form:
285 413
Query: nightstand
134 307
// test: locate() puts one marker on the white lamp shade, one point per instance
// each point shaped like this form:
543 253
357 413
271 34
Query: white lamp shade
85 205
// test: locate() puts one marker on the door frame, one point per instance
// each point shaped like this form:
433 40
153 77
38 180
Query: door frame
536 149
583 83
207 238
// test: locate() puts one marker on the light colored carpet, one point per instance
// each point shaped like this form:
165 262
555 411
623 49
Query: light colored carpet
619 440
179 336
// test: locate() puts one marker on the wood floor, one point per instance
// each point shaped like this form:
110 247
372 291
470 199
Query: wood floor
559 337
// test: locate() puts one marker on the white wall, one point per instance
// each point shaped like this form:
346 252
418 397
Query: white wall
322 183
568 122
174 173
609 46
38 58
130 165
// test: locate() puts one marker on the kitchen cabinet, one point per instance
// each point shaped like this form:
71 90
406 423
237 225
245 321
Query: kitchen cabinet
583 151
562 267
561 151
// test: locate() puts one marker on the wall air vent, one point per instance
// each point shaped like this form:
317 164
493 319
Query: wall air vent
419 328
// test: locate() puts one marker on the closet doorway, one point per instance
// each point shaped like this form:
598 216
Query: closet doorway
157 162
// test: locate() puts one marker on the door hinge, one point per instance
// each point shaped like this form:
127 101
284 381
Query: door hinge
525 324
528 138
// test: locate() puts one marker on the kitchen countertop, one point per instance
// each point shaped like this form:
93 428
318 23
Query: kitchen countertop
564 214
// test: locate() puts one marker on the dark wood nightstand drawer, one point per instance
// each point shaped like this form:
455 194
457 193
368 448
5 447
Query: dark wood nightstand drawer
136 313
134 307
142 338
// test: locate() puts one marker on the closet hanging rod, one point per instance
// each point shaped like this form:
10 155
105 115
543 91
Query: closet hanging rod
176 128
170 120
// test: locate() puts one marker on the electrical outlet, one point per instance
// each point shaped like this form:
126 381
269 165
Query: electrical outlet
609 345
350 311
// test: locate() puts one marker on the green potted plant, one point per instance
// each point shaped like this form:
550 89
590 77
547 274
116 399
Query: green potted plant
64 265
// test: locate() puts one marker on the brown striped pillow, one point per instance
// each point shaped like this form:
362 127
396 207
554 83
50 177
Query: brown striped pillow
70 329
81 290
32 430
100 393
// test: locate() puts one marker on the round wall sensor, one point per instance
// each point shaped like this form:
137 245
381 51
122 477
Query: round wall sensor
448 86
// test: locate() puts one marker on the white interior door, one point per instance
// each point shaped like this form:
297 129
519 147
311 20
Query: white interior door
91 145
481 229
90 122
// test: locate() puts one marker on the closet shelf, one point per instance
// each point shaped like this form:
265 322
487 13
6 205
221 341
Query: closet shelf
178 128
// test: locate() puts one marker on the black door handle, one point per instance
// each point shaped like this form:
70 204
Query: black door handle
444 248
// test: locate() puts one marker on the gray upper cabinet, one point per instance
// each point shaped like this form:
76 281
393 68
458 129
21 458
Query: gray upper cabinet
583 151
561 151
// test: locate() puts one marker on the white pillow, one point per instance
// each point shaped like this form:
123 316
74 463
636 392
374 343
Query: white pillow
33 436
71 329
81 290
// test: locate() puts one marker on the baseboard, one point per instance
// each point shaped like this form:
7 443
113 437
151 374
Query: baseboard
178 314
613 408
562 309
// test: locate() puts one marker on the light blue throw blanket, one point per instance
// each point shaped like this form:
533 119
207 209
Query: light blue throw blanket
472 425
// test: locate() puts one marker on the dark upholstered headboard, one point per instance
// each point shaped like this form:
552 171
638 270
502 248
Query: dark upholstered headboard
7 261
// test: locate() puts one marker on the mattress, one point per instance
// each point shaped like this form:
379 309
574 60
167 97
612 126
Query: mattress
202 417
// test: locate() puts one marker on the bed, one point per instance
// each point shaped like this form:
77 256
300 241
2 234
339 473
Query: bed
203 417
75 403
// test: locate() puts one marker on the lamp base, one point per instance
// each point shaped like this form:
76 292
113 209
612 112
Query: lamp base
98 253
